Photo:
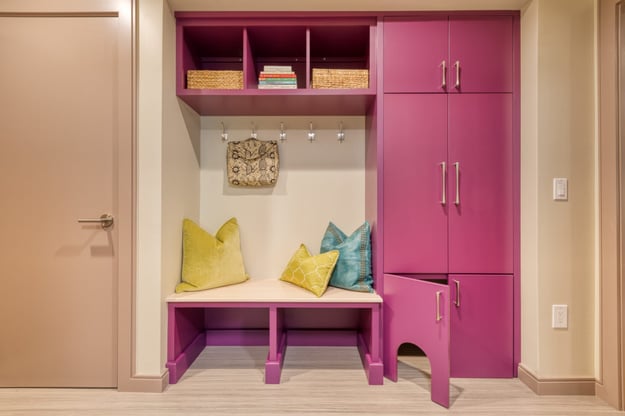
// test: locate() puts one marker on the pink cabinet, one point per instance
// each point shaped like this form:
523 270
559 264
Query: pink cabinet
448 54
448 183
481 341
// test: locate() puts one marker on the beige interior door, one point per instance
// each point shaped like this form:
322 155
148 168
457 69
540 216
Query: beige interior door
59 140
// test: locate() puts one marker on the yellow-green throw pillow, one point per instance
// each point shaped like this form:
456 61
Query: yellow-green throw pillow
209 262
310 272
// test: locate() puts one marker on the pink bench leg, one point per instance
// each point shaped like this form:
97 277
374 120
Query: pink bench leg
277 347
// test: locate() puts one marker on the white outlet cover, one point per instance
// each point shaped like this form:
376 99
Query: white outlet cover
559 316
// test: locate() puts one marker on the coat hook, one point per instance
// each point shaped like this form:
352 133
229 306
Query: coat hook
282 132
341 134
254 135
311 133
224 135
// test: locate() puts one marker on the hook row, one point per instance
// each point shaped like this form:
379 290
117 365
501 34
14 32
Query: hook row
311 135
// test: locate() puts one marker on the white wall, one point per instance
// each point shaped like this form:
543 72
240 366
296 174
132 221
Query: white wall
318 182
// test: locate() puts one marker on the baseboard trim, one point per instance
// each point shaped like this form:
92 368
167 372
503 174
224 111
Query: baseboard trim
146 384
557 386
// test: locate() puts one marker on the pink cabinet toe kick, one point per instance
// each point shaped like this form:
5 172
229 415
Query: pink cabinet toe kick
189 332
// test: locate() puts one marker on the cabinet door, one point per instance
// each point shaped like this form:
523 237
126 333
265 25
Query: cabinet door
415 151
480 157
481 341
413 53
482 46
417 312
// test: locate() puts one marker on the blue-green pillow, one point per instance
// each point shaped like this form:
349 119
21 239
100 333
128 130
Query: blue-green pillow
353 269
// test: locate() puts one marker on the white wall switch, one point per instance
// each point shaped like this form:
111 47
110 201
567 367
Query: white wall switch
560 189
559 316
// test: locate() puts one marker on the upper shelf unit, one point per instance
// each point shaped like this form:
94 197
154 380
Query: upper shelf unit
331 60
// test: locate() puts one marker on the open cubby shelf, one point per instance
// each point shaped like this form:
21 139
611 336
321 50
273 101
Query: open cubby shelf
248 45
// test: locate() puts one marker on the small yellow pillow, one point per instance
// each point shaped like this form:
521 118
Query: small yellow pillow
310 272
209 262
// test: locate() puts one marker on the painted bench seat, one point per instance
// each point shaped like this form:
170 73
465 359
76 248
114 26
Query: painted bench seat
193 317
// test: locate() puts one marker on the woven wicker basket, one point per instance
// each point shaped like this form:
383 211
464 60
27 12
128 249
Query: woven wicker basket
340 78
216 80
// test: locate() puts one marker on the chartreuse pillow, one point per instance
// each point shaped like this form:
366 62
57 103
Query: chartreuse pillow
310 272
353 269
210 261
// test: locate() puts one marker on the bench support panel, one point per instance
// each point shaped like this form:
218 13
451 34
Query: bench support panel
187 336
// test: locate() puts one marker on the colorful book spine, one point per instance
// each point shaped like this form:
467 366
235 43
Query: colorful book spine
278 68
277 87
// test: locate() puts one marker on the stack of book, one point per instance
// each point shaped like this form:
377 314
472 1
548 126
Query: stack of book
277 77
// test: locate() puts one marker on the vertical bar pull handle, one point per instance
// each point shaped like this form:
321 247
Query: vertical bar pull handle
457 301
444 187
443 66
457 66
438 306
457 200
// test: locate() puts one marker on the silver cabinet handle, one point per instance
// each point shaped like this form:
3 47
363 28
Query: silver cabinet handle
444 187
457 66
457 200
443 66
438 306
457 301
105 220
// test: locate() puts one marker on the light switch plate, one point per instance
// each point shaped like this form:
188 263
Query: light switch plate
560 189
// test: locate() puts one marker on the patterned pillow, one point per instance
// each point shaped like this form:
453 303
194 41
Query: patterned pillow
353 269
209 262
310 272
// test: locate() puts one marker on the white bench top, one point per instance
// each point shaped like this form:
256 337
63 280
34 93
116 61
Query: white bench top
273 290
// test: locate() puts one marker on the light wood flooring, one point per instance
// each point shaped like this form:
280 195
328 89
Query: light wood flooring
315 381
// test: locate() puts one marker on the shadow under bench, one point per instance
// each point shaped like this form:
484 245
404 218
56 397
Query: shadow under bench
273 313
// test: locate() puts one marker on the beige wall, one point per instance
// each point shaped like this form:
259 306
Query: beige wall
318 182
558 140
167 182
149 189
181 176
558 137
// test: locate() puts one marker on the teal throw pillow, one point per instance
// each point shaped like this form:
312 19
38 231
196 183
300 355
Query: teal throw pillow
353 268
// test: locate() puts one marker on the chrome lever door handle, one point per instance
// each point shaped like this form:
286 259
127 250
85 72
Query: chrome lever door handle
444 184
457 199
105 220
438 306
443 66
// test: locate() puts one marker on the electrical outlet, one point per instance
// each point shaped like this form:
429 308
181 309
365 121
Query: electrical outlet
560 189
559 316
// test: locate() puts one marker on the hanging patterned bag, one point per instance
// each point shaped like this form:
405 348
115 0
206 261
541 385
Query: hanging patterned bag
253 163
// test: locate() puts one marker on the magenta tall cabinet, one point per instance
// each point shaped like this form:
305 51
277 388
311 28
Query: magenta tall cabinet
450 191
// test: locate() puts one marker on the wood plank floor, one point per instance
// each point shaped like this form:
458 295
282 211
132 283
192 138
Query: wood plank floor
315 381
